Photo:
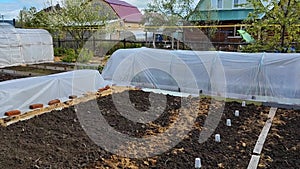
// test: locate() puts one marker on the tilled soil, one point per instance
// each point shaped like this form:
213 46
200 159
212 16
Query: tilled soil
58 140
282 146
234 151
5 76
33 70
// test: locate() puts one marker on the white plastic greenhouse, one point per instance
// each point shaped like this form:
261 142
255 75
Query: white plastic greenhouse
269 77
20 93
24 46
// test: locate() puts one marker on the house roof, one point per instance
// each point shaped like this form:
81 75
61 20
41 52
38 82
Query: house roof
125 11
117 2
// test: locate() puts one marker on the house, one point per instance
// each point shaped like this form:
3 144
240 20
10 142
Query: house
126 22
228 15
223 13
129 21
130 14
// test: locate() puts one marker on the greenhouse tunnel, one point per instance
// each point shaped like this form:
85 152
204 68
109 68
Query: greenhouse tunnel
24 46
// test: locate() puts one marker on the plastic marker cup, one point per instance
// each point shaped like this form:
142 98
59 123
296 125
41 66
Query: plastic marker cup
237 113
228 122
198 163
243 104
217 138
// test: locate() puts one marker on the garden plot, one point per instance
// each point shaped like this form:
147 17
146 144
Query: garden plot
44 69
234 150
29 71
53 66
282 146
63 66
5 76
57 140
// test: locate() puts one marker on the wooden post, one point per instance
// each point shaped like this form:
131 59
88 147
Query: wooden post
153 40
172 42
146 38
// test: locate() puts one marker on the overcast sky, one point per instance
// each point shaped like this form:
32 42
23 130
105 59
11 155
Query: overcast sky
10 8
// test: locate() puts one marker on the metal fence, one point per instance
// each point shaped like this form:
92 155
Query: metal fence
102 47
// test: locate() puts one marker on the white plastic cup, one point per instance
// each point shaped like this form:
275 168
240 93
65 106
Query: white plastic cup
217 138
236 113
198 163
243 104
228 122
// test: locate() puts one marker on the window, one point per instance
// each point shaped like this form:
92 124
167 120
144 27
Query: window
234 33
220 3
216 4
237 3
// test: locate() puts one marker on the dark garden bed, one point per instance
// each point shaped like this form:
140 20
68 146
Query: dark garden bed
57 139
6 76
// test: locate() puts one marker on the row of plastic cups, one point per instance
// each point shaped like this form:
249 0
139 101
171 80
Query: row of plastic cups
228 123
218 136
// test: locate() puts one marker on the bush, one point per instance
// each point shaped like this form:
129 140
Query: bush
59 51
120 45
69 55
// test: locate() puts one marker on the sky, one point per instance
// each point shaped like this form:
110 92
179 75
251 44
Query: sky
10 8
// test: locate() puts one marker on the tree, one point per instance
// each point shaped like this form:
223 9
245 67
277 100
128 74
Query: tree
167 16
274 24
31 18
73 18
26 17
208 17
160 23
76 17
183 9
